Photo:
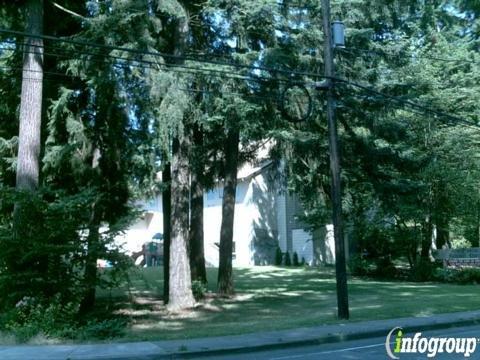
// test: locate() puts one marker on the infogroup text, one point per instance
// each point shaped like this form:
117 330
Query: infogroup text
431 346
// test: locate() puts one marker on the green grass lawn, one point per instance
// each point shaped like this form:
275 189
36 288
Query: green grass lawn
272 298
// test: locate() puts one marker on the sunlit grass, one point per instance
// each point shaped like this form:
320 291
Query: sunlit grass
273 298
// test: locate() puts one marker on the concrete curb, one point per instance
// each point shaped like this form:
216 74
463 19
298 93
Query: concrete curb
325 339
239 343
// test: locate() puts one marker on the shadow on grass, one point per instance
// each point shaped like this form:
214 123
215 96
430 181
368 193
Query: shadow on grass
274 298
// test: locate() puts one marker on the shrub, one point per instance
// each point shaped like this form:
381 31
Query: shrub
31 317
461 243
358 266
45 254
198 289
424 270
458 276
288 261
103 330
385 268
295 259
42 260
468 276
278 256
303 262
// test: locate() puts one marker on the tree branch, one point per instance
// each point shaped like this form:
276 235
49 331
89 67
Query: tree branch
67 11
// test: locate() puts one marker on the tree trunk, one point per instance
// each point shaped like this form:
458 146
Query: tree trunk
225 276
443 231
476 242
31 101
93 239
167 213
426 239
180 283
180 286
197 256
90 276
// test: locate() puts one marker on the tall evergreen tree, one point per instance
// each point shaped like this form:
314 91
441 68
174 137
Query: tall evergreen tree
28 162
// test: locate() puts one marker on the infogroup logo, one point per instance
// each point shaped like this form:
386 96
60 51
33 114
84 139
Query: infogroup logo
432 346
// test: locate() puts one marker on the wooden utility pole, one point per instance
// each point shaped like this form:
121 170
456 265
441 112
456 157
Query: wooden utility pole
340 266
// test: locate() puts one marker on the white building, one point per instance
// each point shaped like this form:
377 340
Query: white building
265 217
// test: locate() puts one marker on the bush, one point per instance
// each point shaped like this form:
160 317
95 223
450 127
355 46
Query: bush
295 259
198 289
461 243
385 268
42 260
358 266
424 270
103 330
468 276
458 276
303 262
45 254
288 261
31 317
278 256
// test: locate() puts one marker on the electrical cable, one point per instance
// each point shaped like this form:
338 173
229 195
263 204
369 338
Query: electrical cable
49 73
158 54
421 56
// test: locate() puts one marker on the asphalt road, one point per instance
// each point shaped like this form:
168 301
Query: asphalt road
373 349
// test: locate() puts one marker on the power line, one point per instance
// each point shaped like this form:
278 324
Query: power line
151 64
409 103
160 54
56 74
409 110
145 64
241 66
419 56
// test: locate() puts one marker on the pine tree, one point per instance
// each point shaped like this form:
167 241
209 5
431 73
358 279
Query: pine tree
28 162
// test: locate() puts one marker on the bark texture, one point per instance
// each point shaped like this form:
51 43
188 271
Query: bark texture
180 286
167 214
225 276
197 251
31 101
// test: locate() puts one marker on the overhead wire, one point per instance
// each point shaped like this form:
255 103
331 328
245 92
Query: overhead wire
146 64
417 56
49 73
409 103
226 73
161 54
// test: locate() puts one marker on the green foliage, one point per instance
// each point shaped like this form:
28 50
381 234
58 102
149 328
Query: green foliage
359 266
199 289
42 259
287 260
34 316
101 330
295 259
424 270
278 256
458 276
460 243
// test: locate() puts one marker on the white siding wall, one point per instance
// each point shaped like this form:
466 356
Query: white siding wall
257 207
143 230
242 224
212 220
282 221
302 243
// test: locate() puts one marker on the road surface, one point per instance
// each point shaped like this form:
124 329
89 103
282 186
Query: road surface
371 349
